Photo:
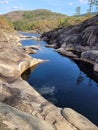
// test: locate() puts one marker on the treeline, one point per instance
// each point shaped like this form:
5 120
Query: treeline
73 20
37 26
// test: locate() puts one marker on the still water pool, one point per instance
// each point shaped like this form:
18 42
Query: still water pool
64 82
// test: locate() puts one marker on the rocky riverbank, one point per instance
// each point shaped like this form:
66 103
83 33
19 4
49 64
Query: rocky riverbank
79 42
21 107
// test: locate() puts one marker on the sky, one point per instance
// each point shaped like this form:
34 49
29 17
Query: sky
67 7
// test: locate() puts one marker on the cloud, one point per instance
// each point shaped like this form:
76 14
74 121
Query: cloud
70 3
49 91
45 89
4 2
15 7
83 1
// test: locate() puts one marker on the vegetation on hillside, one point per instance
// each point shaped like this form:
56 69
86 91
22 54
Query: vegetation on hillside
40 21
73 20
5 24
36 20
40 14
37 26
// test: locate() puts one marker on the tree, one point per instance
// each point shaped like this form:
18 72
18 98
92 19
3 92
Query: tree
96 3
97 10
91 3
78 10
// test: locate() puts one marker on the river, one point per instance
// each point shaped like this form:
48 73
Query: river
64 82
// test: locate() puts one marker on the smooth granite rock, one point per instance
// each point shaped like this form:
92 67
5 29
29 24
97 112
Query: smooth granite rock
13 119
79 121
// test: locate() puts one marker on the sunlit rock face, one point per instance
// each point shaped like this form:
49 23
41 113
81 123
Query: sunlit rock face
78 42
12 119
13 58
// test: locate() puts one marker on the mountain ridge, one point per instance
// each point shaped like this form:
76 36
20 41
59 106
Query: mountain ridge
34 13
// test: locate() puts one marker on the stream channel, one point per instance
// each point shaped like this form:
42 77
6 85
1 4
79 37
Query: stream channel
64 82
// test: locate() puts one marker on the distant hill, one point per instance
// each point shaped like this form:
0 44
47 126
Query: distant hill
39 20
34 15
15 15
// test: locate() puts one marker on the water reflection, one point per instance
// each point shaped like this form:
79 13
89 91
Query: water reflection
47 90
80 79
64 82
27 73
88 70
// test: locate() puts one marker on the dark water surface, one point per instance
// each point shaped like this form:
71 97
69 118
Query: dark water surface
64 82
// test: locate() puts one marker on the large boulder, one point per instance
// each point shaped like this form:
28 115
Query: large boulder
80 122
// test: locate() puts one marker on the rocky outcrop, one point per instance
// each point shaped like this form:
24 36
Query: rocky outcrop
30 37
77 119
13 119
24 108
13 59
31 49
78 42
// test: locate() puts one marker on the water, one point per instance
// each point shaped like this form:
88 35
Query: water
64 82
